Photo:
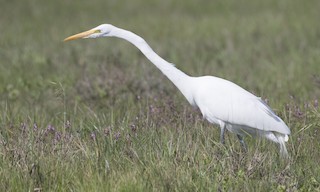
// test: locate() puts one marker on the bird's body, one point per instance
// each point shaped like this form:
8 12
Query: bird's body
220 101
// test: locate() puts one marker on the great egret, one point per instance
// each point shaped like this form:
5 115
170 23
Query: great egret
220 101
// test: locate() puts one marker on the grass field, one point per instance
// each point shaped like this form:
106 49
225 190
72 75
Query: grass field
96 115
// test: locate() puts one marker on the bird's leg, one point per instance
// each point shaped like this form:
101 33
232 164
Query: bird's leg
222 127
243 144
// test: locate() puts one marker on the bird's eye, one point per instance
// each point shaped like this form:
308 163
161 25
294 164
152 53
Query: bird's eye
97 31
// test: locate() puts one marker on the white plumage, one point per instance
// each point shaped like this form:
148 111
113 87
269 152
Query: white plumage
220 101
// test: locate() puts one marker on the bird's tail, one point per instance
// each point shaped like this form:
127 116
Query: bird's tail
282 139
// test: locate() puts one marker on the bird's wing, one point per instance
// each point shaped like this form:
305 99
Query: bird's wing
232 104
254 112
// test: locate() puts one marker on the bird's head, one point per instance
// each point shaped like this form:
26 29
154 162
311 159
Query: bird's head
103 30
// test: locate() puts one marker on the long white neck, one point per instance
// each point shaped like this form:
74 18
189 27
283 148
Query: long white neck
177 77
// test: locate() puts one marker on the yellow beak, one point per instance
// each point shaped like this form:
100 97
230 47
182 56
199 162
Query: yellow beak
81 35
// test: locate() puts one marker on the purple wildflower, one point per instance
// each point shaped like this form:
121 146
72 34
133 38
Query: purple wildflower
51 128
298 112
57 137
117 135
133 128
35 127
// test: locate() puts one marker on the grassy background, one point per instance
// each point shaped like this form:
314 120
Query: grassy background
95 115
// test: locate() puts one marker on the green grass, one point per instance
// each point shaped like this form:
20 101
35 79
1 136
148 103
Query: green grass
95 115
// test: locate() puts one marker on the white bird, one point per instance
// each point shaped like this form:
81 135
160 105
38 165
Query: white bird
220 101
